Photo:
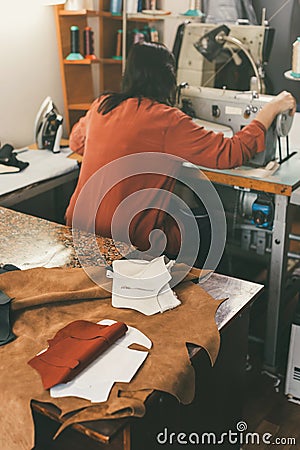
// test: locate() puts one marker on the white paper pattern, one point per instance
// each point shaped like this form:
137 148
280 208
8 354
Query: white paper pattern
118 363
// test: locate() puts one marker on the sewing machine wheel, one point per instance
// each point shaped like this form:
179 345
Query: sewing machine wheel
283 123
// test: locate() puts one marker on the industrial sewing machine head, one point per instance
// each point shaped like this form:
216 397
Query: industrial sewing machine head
216 56
221 79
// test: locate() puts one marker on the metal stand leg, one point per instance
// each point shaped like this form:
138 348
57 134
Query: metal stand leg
277 278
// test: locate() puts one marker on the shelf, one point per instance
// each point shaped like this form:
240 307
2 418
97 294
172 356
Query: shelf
79 106
110 61
109 15
81 12
83 62
138 17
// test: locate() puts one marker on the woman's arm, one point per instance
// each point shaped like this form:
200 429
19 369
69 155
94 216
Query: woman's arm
77 137
186 139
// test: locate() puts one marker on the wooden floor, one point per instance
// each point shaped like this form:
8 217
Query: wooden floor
267 409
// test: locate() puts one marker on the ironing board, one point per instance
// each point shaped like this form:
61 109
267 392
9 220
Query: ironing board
46 171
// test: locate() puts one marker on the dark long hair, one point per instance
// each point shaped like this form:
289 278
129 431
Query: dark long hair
150 73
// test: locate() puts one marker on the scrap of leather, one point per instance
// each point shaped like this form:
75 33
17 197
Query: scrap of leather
73 348
8 158
193 321
40 286
6 334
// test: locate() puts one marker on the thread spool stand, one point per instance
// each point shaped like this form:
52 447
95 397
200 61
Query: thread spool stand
289 76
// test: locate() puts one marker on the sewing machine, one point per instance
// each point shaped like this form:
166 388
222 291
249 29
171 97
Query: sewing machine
234 109
215 68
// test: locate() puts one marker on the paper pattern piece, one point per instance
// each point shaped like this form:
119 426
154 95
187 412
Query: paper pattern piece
258 172
143 285
117 364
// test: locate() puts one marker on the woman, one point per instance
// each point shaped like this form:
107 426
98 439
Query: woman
142 118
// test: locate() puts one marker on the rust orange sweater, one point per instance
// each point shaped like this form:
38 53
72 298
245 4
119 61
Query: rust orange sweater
149 127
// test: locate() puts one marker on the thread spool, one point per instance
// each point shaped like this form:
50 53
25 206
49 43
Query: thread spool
154 34
75 54
194 9
88 43
74 39
137 36
147 33
118 54
296 59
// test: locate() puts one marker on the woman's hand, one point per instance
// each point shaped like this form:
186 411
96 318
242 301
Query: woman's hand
282 102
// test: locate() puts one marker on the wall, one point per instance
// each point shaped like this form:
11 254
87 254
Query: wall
171 24
176 6
29 67
284 16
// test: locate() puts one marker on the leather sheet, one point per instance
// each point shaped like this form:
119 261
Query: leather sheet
50 305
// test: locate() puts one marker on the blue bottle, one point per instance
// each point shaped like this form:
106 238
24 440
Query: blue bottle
140 5
116 7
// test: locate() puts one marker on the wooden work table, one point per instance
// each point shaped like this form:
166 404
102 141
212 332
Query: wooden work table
29 242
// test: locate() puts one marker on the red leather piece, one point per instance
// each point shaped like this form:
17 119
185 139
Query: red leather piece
73 348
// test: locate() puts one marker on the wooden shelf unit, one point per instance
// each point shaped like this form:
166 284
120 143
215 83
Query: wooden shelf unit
78 77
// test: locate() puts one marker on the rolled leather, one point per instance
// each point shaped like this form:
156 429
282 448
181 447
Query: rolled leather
73 348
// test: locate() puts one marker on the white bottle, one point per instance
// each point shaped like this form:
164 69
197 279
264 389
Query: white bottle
116 7
296 59
132 6
74 5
